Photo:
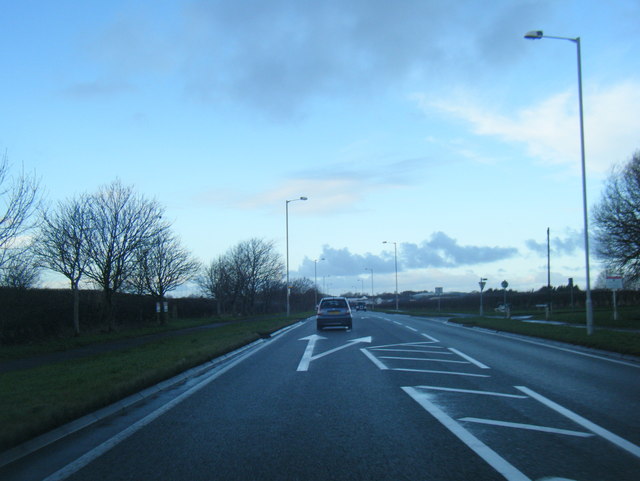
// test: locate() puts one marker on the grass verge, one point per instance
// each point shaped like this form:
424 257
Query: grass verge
37 400
608 340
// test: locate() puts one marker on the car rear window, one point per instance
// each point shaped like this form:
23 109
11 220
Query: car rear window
334 303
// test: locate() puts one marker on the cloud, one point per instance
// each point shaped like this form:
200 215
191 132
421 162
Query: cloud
331 189
342 262
550 129
571 242
278 57
443 251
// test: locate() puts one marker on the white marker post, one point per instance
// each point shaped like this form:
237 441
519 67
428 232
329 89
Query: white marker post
614 282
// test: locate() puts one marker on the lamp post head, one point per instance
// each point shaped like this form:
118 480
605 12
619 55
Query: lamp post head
303 198
534 34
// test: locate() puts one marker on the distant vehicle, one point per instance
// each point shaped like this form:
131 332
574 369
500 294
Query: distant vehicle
503 308
361 306
334 312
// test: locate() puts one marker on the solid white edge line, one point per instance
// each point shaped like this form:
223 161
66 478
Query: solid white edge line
469 358
585 423
530 427
374 359
550 346
497 462
109 444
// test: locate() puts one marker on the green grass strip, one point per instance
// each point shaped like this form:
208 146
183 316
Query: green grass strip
37 400
607 340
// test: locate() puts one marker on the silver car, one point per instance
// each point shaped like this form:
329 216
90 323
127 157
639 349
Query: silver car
334 311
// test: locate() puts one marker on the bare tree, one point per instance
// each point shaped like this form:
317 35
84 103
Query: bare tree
122 223
21 271
256 265
617 221
61 245
19 196
243 279
161 266
214 282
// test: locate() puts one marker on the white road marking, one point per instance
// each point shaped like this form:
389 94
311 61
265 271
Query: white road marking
348 344
470 391
550 346
469 358
585 423
373 359
510 472
408 350
308 356
308 352
411 328
409 344
422 359
452 373
429 337
530 427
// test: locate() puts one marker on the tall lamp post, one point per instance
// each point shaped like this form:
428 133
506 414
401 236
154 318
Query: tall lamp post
395 257
535 35
286 207
315 277
370 269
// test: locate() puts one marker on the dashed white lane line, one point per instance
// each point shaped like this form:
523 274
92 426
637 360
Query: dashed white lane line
585 423
530 427
469 358
497 462
411 328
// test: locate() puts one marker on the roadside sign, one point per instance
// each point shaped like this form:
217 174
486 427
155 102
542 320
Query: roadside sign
614 282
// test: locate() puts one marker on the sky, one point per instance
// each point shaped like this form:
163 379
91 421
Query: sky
430 124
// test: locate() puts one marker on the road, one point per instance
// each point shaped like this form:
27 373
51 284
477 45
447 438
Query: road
395 398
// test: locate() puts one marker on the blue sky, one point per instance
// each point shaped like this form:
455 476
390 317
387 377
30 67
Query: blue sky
432 124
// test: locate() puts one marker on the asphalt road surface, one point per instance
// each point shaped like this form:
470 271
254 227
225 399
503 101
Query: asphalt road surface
394 398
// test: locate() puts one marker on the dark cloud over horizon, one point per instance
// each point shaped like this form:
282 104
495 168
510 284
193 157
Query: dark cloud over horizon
441 251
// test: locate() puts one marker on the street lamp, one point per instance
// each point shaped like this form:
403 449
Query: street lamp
535 35
370 269
395 256
287 240
315 277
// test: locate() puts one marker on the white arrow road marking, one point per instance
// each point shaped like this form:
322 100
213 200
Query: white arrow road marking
308 356
308 352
